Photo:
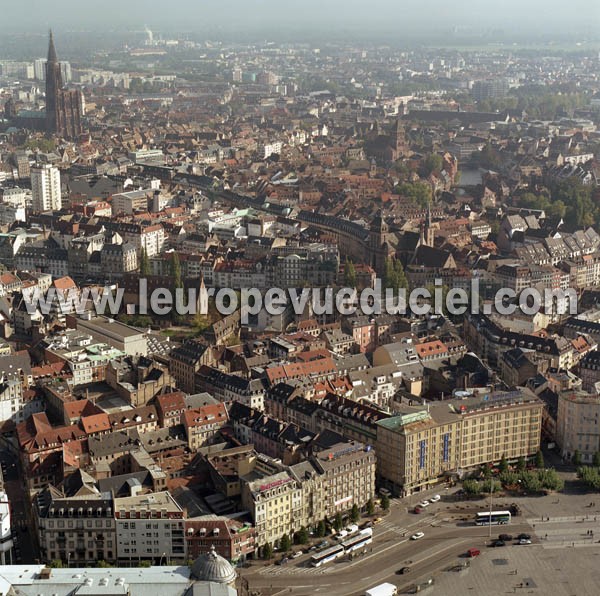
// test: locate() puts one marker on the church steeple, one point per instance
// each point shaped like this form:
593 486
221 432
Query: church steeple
427 233
53 87
52 50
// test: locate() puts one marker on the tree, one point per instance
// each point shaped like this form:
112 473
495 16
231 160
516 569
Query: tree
321 529
354 513
418 193
503 465
103 564
175 270
144 264
370 507
471 487
485 471
401 281
56 563
338 523
394 277
302 536
385 502
521 464
508 478
267 552
590 476
491 486
577 458
349 274
530 481
597 459
432 164
285 543
539 459
550 479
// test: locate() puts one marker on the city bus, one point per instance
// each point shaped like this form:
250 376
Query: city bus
359 541
327 555
494 518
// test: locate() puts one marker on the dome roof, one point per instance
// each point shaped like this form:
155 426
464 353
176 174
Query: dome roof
212 567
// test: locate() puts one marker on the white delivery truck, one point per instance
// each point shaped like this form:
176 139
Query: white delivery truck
383 590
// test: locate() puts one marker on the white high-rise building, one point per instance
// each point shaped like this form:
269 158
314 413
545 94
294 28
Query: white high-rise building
39 67
65 71
45 188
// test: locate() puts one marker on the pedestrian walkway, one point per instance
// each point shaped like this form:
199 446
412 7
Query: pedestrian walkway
389 526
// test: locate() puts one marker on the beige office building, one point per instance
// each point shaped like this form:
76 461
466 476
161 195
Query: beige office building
421 446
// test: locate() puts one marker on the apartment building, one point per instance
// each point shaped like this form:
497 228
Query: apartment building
275 504
347 472
227 388
149 527
422 445
202 424
45 188
185 362
231 539
577 424
282 499
78 529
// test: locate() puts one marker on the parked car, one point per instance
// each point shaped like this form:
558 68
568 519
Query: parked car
524 541
424 503
418 509
473 552
435 498
498 543
505 537
417 536
377 520
298 554
403 571
313 548
282 561
523 537
323 544
368 524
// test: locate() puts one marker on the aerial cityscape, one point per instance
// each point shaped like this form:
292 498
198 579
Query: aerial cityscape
299 298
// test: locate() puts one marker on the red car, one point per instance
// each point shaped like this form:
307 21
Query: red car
473 552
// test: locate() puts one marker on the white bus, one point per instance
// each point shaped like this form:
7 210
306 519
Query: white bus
493 518
327 555
359 541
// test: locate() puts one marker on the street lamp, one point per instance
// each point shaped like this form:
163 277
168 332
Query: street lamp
161 558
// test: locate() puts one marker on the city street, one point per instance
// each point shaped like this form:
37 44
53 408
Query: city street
21 523
447 538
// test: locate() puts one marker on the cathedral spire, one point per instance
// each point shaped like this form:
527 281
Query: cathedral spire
52 50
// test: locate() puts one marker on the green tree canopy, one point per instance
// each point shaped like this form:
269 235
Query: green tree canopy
285 543
301 536
349 274
267 551
385 502
432 164
370 507
144 263
419 193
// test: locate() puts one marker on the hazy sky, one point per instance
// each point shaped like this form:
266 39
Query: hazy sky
552 16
